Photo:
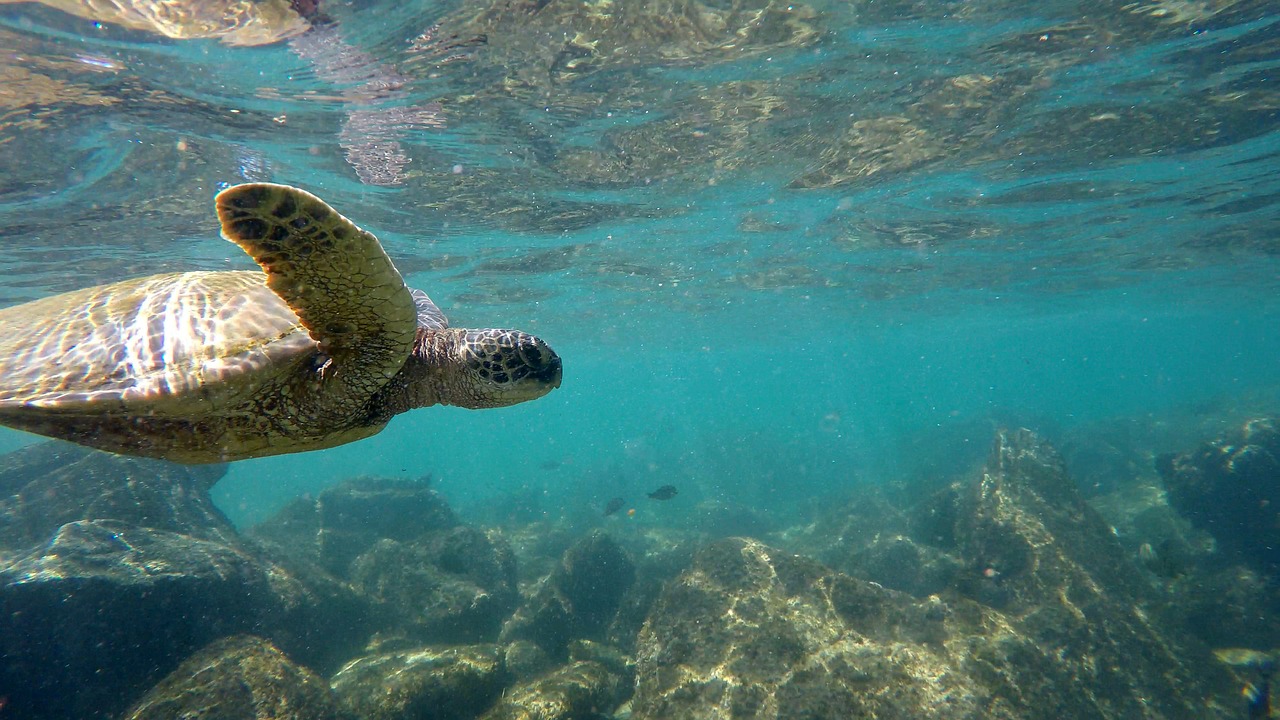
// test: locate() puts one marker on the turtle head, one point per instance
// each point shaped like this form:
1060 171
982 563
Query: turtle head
496 368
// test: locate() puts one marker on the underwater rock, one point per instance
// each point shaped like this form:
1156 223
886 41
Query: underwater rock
117 568
429 682
525 659
46 485
1056 617
580 597
613 660
594 575
105 609
762 633
241 677
1231 606
455 585
427 578
1027 534
900 563
1230 488
870 537
539 544
1047 560
660 554
1107 457
544 618
1165 544
584 689
346 520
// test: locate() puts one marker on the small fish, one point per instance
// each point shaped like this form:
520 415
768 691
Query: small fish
613 506
666 492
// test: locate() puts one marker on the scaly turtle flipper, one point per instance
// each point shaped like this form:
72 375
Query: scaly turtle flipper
430 317
335 276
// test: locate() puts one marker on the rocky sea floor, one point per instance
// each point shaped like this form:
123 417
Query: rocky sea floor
124 593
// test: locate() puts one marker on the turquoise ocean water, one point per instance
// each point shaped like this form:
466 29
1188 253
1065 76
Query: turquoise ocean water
791 254
783 250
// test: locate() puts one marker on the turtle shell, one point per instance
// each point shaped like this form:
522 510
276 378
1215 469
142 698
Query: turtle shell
178 343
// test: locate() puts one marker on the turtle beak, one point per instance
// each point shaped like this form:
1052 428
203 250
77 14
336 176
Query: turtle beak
543 362
550 373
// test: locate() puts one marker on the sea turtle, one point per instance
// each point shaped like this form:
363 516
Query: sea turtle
201 367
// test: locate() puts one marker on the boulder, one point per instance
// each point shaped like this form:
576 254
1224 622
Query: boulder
526 660
1230 488
579 599
1027 535
346 520
137 571
241 677
1231 606
429 682
105 609
593 578
456 585
428 578
760 633
577 691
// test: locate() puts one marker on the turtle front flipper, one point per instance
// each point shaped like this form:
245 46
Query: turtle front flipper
335 276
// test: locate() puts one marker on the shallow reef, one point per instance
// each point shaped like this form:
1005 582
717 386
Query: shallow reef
1041 611
1000 593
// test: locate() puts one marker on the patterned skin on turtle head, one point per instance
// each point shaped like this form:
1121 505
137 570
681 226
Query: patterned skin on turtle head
506 367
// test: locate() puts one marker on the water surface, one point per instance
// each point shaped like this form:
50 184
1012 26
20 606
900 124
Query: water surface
782 248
